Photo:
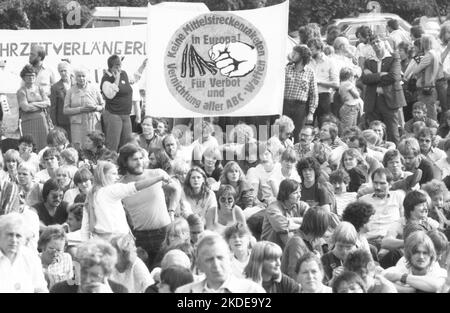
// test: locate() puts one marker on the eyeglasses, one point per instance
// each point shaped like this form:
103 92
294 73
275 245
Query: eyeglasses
225 200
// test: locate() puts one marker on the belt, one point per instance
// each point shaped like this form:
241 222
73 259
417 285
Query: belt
150 231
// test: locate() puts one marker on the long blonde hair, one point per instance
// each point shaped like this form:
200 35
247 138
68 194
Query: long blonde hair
261 251
100 181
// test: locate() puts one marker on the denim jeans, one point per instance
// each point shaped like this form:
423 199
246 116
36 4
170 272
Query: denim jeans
151 241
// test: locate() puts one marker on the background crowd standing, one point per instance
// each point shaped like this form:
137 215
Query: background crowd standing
349 194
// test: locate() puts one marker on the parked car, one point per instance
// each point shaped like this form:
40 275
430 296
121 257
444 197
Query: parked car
376 21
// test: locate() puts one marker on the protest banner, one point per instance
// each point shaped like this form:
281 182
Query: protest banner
216 63
89 48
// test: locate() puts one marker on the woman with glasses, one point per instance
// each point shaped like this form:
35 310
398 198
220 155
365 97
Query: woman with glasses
57 265
228 213
33 102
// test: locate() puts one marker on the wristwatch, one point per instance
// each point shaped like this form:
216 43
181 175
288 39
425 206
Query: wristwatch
403 278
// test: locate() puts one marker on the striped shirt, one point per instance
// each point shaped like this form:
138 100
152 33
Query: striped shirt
302 86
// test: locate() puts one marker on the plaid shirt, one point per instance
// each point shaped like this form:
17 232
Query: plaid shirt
301 86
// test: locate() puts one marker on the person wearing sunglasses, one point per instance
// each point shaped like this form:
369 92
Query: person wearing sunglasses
227 213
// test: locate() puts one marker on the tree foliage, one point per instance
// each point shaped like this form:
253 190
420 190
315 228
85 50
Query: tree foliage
37 14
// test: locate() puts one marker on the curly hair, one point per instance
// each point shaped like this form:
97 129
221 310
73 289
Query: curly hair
97 252
347 277
434 187
358 213
308 163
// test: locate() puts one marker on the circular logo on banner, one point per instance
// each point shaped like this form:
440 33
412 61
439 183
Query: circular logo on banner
216 63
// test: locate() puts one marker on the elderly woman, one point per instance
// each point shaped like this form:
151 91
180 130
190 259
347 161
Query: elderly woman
118 94
33 103
11 161
310 274
227 213
83 103
57 264
264 268
30 191
97 259
130 270
57 95
428 72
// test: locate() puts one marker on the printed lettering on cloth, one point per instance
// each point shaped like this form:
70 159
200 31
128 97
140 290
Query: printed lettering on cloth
87 47
216 63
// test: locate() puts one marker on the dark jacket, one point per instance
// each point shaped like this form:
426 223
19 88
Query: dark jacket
57 96
390 83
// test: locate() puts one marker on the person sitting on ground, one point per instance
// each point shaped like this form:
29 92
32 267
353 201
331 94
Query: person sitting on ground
57 265
415 206
287 170
83 181
69 158
174 277
130 271
284 216
196 196
52 210
444 163
30 192
27 154
360 262
308 238
283 128
226 213
64 178
439 210
419 111
349 282
422 273
410 150
426 139
264 268
97 259
380 128
356 167
51 158
218 276
233 175
340 181
313 190
310 274
344 239
11 161
196 227
240 241
358 214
